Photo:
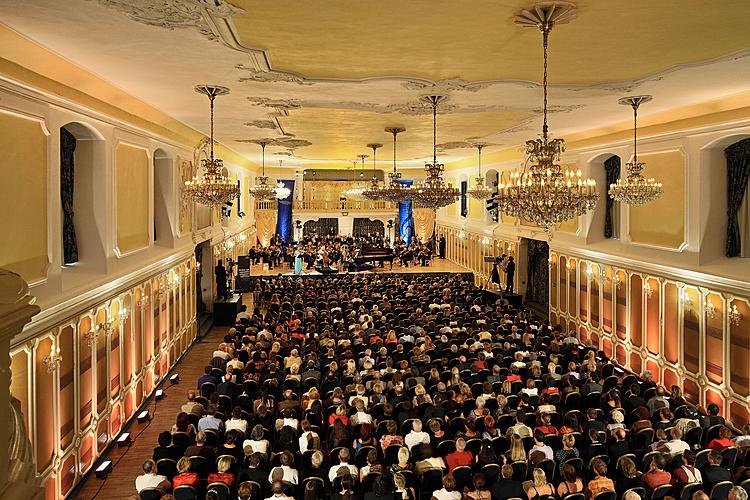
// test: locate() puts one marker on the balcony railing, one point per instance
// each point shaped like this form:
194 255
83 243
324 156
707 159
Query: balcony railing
342 206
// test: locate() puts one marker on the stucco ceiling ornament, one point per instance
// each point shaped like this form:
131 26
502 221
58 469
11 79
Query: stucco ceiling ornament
445 86
266 124
173 14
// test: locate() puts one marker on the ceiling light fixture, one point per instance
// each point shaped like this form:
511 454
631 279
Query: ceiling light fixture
544 193
394 191
282 192
263 190
372 192
480 191
213 187
635 189
359 185
434 192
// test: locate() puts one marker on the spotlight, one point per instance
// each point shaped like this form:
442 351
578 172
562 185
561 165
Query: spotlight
159 394
143 417
124 439
104 469
175 379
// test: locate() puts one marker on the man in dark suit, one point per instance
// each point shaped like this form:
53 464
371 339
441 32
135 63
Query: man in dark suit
634 400
206 377
505 487
713 417
592 422
199 449
253 470
229 388
591 385
289 402
310 372
713 472
619 446
510 272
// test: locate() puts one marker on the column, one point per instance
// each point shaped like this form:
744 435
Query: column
17 472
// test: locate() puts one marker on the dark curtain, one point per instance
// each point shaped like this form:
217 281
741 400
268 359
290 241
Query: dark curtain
363 227
322 227
284 215
67 170
537 285
612 167
738 172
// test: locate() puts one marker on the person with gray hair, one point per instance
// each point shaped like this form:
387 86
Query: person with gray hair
700 495
737 493
631 495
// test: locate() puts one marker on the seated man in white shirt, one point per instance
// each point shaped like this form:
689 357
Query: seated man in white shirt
150 479
343 464
416 436
676 445
448 491
236 422
290 474
242 314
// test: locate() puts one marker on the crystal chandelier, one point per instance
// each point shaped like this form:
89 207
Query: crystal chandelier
360 185
480 191
213 187
433 192
635 189
282 192
372 192
394 191
544 193
263 190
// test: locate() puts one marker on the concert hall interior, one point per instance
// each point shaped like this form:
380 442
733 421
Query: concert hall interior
483 250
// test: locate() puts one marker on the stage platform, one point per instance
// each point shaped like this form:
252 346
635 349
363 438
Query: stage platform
436 266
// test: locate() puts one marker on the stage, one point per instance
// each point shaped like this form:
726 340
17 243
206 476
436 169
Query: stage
436 266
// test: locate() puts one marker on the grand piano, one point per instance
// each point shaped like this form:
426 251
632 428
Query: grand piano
372 255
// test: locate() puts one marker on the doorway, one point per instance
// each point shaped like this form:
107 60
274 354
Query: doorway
537 272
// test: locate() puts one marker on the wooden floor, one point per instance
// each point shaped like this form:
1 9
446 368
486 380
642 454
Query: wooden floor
436 266
120 484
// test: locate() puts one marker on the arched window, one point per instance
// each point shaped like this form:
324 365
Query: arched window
67 191
612 210
82 153
738 205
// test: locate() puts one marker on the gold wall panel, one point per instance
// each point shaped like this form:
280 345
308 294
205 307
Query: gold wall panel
691 329
671 315
662 222
714 339
23 196
133 189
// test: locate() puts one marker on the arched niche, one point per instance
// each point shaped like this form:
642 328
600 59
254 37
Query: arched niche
713 196
598 172
88 195
164 200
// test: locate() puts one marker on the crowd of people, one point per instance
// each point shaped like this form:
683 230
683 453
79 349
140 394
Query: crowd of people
346 253
378 387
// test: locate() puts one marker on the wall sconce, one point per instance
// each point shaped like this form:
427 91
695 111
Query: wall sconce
52 360
710 309
461 235
568 266
617 281
647 289
734 316
589 270
243 237
143 302
91 337
685 297
123 314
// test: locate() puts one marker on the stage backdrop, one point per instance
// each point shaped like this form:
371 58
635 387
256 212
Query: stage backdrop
424 223
406 218
284 220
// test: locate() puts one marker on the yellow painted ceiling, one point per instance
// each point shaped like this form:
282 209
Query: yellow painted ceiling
476 40
340 134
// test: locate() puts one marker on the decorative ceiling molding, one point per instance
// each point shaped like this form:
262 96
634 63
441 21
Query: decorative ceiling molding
265 124
174 14
281 142
279 104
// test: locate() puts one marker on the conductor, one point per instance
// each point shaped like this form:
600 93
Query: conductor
510 271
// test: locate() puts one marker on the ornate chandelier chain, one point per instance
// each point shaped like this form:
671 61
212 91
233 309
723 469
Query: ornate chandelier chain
545 194
213 187
635 189
480 191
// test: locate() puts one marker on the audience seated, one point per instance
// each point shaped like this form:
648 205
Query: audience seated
380 387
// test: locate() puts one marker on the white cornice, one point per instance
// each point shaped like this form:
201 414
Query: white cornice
70 308
697 278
